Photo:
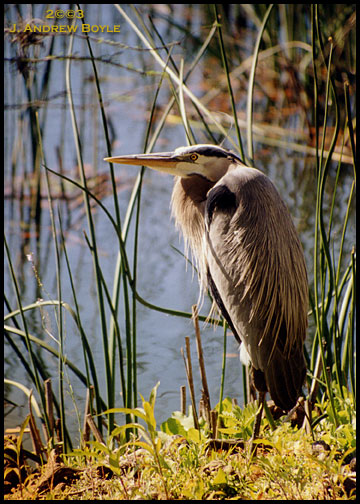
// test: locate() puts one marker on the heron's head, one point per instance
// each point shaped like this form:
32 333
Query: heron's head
209 161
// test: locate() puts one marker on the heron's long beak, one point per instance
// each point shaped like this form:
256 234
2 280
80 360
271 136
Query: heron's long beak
162 161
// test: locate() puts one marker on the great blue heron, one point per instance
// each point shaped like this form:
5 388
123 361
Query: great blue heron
248 254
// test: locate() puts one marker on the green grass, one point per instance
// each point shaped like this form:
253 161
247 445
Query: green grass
178 462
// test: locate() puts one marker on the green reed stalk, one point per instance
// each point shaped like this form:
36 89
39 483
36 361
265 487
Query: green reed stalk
102 314
320 275
59 293
249 114
88 357
136 234
26 333
114 330
349 364
332 339
228 80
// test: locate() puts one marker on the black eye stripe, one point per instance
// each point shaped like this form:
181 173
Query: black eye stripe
213 151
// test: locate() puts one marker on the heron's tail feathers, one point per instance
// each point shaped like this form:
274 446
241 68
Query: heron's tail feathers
284 377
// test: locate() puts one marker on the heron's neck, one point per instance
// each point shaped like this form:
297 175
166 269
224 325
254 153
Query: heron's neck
188 206
196 189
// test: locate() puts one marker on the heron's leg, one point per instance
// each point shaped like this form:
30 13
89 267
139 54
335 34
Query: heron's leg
250 385
258 417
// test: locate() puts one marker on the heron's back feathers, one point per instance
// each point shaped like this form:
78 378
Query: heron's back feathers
254 259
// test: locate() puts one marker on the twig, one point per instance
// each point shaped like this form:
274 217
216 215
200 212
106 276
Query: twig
183 399
188 369
94 429
49 408
34 432
88 402
205 391
213 423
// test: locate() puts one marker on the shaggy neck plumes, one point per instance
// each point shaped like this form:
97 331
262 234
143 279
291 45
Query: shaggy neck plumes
188 206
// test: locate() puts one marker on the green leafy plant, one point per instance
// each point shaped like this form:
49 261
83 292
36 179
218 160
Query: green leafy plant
236 422
151 441
339 431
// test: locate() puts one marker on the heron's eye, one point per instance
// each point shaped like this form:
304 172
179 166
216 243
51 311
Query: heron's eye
193 157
